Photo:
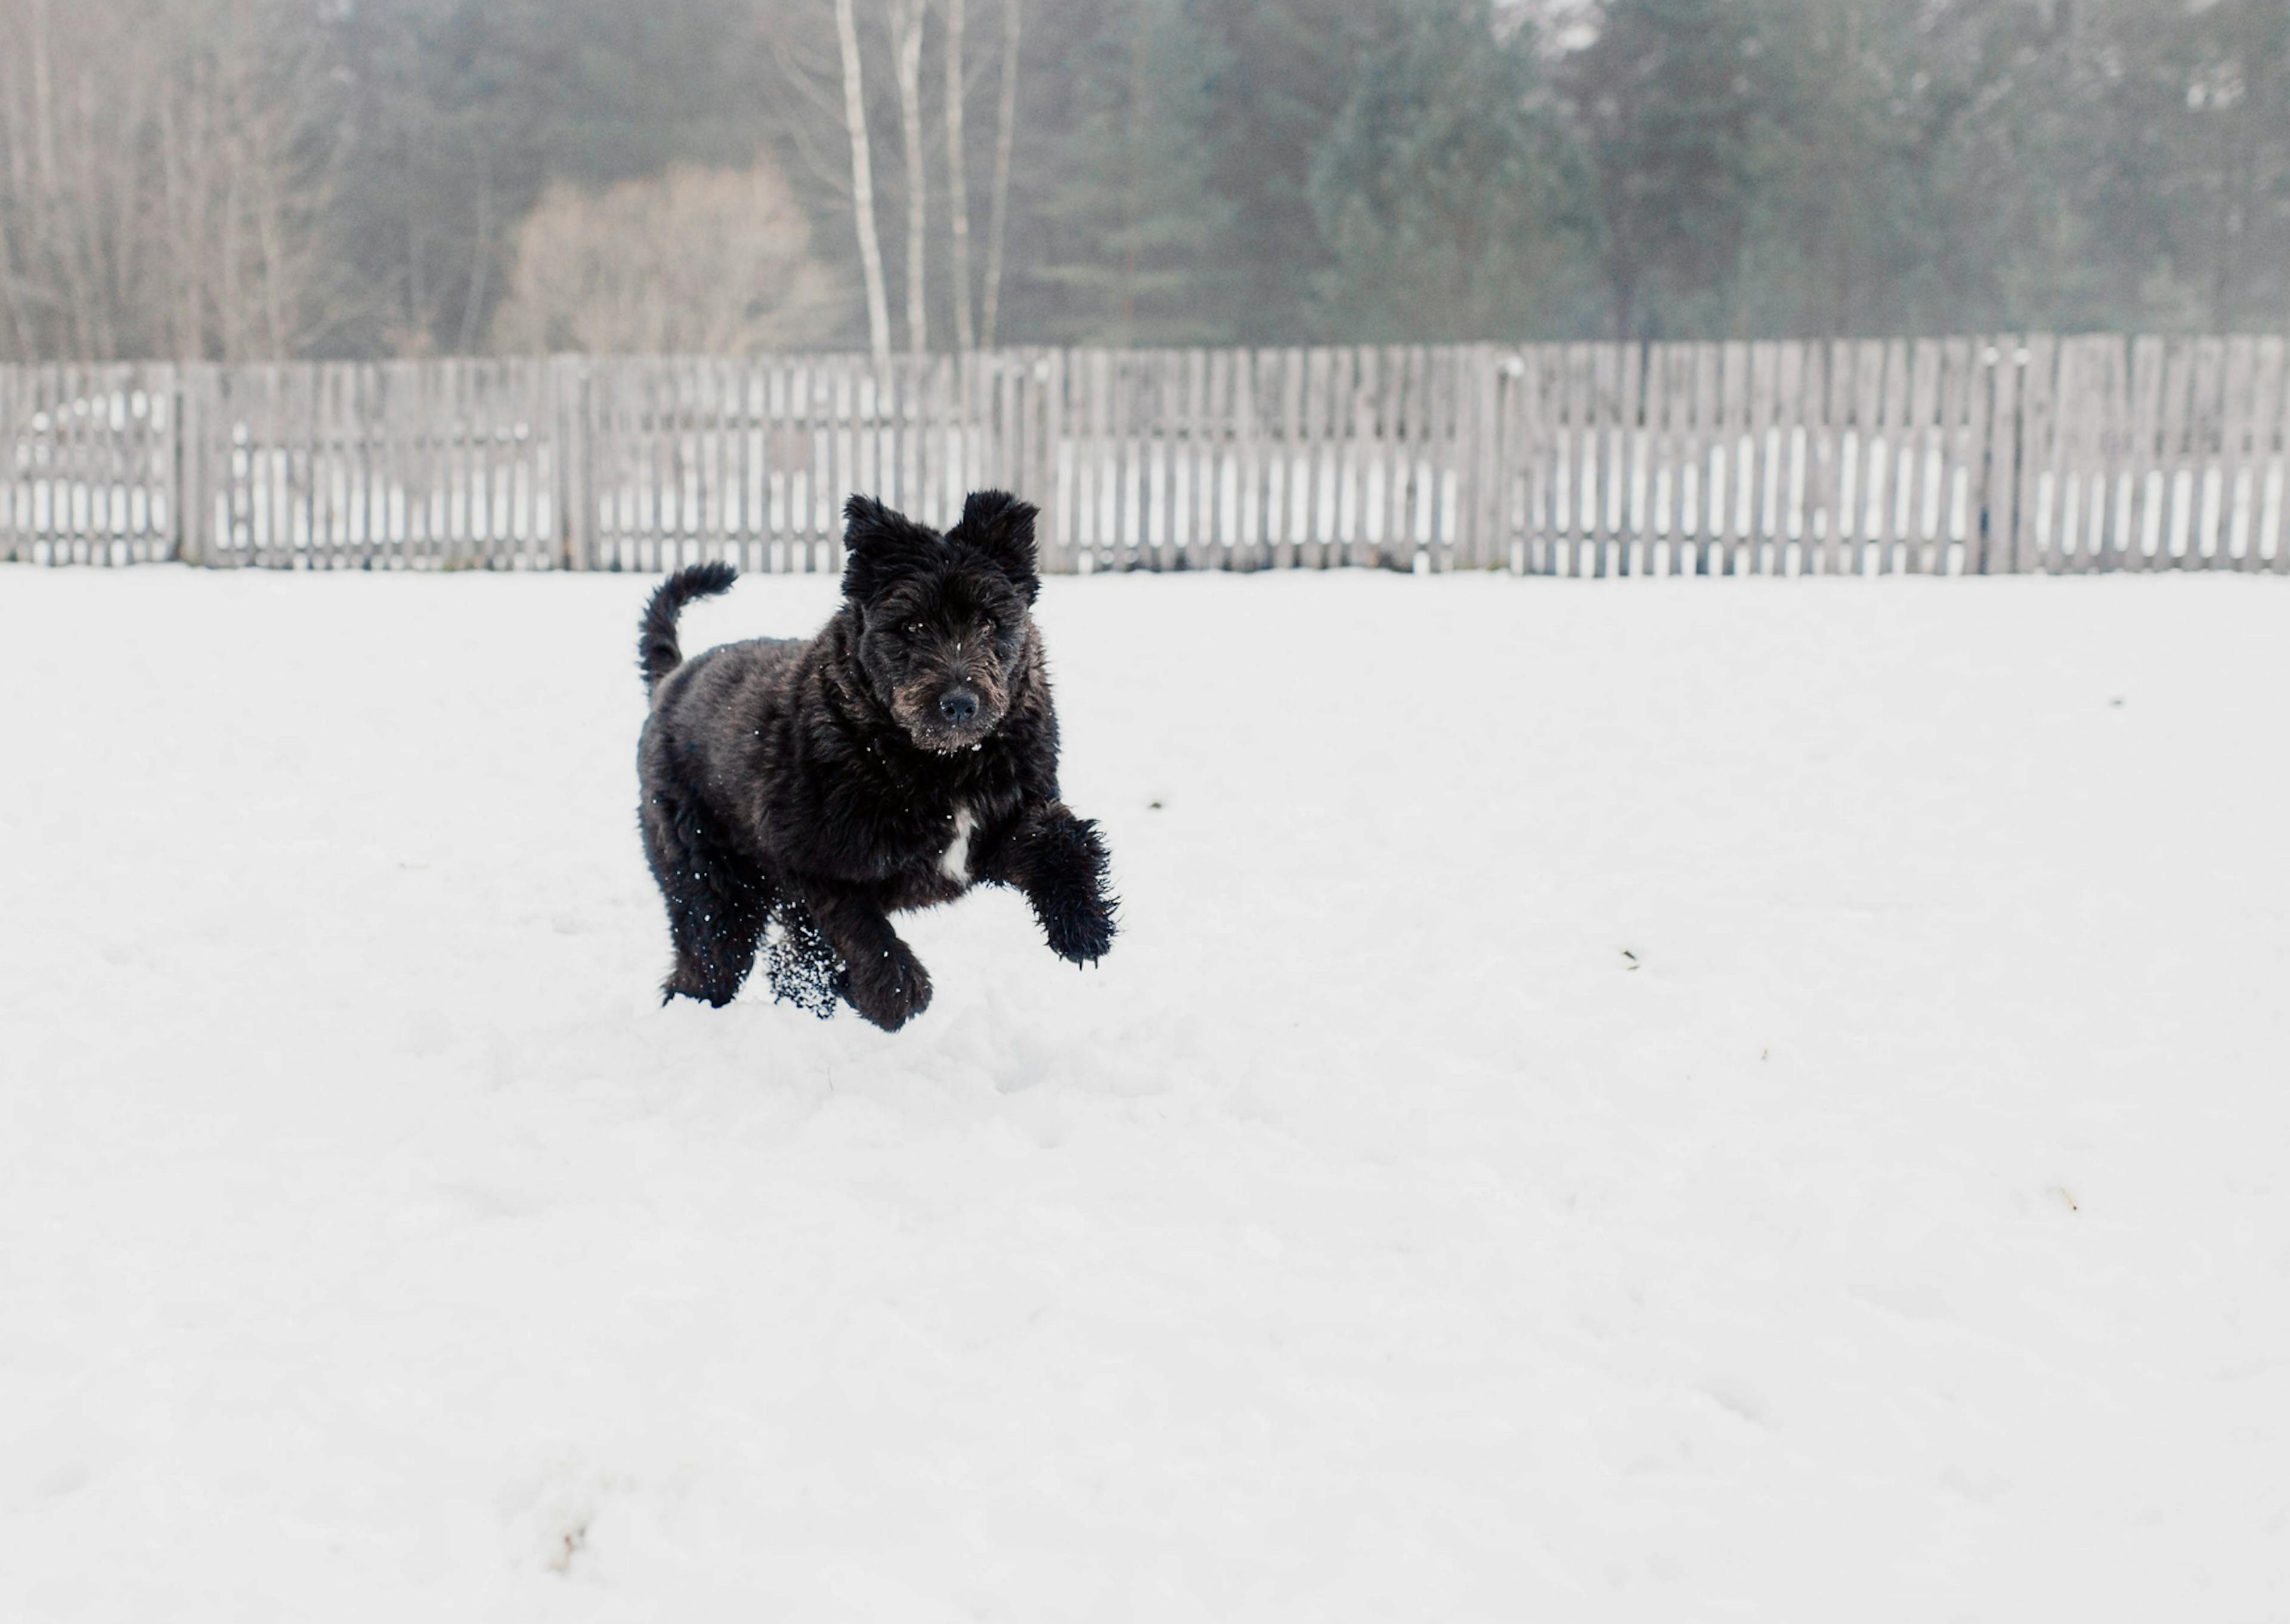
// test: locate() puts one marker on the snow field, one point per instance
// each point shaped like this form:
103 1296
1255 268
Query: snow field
1627 1100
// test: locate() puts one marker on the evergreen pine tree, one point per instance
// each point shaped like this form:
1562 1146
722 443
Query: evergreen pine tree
1129 229
1445 192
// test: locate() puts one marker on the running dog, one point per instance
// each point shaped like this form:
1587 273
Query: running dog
798 793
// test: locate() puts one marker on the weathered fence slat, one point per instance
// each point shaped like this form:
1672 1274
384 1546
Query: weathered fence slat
2090 371
2033 514
1623 401
1961 378
1777 416
2270 451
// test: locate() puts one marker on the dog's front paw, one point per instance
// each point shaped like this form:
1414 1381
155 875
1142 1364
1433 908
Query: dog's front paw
889 990
1079 929
1069 865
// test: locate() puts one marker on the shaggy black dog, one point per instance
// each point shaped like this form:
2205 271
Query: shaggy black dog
798 794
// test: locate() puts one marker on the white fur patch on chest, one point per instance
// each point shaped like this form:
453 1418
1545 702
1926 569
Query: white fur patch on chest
954 862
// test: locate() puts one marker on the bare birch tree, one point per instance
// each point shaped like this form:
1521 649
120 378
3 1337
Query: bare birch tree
907 41
1006 137
160 193
957 190
862 187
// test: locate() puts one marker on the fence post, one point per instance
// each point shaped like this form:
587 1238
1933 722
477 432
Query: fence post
190 517
2007 445
569 384
1045 385
185 548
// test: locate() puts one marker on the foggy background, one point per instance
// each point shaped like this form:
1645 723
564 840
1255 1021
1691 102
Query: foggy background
249 179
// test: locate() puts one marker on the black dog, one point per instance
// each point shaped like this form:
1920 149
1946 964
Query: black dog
804 791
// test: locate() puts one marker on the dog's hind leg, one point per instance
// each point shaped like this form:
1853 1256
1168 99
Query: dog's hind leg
717 903
715 942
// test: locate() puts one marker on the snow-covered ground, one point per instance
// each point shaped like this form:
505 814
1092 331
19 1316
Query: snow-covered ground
1647 1100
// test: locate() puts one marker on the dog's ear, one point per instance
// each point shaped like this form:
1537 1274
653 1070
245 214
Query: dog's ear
879 547
1000 526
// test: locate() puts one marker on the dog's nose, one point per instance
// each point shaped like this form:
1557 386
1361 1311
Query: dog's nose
957 706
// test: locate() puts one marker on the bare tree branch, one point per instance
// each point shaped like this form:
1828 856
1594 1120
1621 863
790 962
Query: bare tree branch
808 75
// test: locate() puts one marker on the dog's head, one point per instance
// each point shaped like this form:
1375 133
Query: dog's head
943 622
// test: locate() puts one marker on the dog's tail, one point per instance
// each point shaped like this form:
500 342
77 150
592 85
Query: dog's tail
657 653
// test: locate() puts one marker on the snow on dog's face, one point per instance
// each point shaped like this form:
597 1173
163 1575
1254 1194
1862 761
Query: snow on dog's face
944 629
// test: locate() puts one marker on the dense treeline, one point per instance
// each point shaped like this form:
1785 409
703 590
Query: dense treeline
239 179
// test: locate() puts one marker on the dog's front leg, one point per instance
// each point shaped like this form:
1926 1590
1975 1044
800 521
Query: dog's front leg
884 981
1060 861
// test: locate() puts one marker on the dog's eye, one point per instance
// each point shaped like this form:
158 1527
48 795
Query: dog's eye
914 628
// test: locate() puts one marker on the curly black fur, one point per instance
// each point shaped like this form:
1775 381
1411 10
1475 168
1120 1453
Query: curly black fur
796 795
657 653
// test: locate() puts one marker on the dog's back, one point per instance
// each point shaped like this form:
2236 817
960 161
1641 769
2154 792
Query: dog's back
708 696
715 679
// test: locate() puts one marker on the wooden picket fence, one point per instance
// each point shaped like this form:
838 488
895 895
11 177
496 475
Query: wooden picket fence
88 459
1941 456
